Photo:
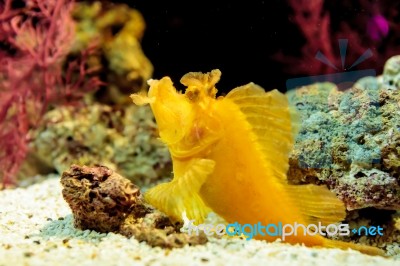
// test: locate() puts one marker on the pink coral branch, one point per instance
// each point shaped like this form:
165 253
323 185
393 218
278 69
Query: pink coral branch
6 12
313 23
321 33
32 77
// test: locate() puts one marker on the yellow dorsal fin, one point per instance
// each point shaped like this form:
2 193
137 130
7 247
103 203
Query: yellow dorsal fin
271 120
182 193
275 124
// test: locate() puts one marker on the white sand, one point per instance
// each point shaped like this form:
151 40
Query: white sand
36 229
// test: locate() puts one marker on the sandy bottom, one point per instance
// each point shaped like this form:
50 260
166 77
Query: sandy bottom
36 228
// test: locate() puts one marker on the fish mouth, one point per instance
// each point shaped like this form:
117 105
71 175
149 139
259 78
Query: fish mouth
162 89
152 87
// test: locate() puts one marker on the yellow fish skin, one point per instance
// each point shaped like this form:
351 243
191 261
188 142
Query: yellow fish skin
230 155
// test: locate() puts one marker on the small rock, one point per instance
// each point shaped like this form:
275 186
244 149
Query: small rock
104 201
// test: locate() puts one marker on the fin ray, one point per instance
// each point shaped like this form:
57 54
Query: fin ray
274 125
269 115
182 193
317 203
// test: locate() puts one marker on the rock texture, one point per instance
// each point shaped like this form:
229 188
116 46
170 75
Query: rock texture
121 138
115 30
104 201
349 139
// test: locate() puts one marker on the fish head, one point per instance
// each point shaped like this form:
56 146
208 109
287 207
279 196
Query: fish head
172 110
184 120
201 87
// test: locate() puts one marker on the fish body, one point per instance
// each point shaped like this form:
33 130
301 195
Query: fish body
230 155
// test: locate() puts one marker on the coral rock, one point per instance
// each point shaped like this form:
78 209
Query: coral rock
117 31
105 201
156 229
349 140
123 139
391 74
100 199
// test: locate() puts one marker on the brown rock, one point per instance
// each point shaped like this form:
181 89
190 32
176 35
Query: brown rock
105 201
100 199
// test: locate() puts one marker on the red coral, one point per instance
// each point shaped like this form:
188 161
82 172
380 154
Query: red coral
36 39
313 23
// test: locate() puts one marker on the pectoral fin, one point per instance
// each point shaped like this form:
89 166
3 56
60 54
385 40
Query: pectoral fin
182 193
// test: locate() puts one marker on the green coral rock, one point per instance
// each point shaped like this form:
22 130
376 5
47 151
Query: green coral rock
123 139
349 139
391 73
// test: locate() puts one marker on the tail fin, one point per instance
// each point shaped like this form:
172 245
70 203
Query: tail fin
374 251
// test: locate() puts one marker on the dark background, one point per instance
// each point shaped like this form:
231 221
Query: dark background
240 39
237 38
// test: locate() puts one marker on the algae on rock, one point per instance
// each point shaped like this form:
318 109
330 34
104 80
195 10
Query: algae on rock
117 135
122 138
116 31
349 140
